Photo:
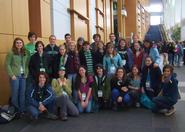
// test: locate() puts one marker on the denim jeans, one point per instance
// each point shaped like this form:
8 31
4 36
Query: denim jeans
72 78
34 111
87 109
162 102
18 88
171 59
126 98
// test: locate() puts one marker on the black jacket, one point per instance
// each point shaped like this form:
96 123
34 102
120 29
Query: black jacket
155 80
35 64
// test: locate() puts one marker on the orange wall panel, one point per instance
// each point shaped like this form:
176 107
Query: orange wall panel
81 7
6 17
108 20
100 5
45 18
20 17
6 42
4 81
80 28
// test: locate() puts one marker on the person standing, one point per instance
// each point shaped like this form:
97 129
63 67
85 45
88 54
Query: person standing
17 68
52 50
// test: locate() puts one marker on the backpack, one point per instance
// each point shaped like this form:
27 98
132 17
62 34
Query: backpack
7 115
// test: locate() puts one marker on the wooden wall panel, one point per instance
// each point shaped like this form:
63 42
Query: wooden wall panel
80 28
35 20
108 19
20 17
4 81
130 21
6 17
100 4
45 18
6 42
100 20
81 7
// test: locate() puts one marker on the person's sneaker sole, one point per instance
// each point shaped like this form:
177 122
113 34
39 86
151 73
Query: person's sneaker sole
170 112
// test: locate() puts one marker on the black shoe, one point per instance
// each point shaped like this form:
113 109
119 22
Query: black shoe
51 116
115 107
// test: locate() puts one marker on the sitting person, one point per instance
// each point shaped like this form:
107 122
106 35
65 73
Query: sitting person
41 98
62 90
168 97
150 79
120 91
101 88
134 85
84 89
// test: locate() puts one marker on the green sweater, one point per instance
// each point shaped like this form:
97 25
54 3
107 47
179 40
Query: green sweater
58 90
13 64
30 47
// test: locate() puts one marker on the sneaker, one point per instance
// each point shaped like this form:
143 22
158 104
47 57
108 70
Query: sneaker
170 112
163 111
138 105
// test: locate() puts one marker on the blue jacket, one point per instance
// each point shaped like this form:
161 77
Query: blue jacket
170 89
153 53
116 61
37 94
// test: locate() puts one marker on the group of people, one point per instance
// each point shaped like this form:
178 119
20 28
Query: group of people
77 77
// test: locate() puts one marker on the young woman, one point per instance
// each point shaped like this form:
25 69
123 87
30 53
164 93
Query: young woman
30 47
134 85
62 90
101 88
60 60
84 89
152 51
126 54
169 94
120 91
79 44
17 68
137 55
99 53
111 60
39 62
41 98
72 66
151 79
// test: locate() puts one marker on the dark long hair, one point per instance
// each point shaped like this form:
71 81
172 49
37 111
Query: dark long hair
78 77
45 75
14 48
124 76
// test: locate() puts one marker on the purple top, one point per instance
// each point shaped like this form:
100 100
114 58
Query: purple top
84 88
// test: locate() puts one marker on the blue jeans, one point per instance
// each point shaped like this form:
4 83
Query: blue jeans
34 111
87 109
18 88
178 59
162 102
171 59
126 99
72 78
